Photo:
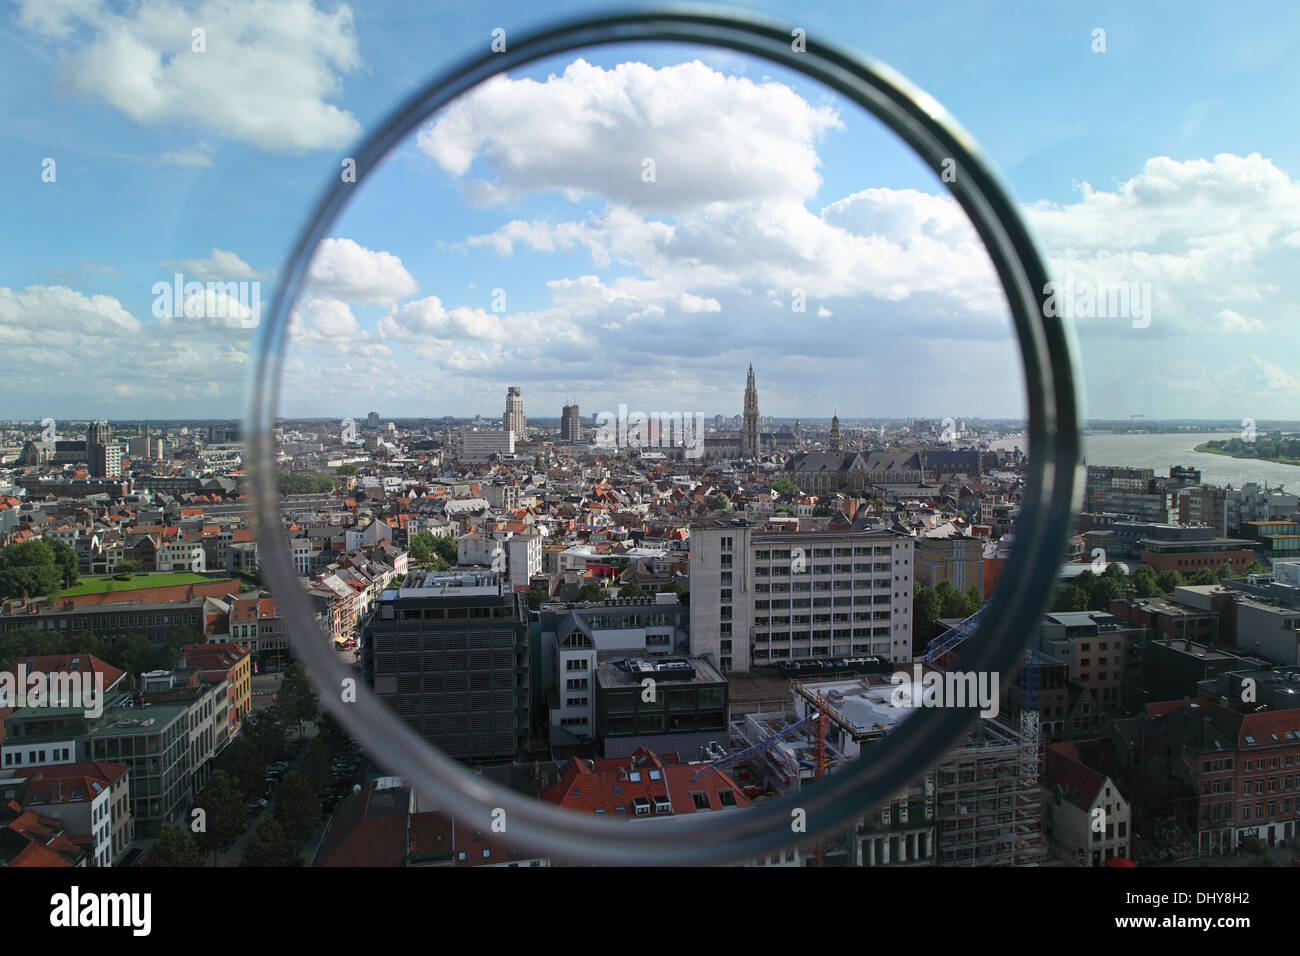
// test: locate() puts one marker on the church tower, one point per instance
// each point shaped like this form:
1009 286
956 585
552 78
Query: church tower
749 436
836 441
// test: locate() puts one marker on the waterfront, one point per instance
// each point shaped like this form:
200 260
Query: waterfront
1161 451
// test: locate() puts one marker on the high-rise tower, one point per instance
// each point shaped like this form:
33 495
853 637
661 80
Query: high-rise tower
103 456
97 433
749 435
514 416
571 423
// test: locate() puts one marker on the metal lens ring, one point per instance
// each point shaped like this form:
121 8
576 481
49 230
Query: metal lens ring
1024 587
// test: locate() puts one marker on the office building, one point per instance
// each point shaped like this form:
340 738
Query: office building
513 421
571 424
449 653
759 597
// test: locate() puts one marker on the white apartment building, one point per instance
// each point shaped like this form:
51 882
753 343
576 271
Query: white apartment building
523 559
1250 502
480 446
759 597
1088 819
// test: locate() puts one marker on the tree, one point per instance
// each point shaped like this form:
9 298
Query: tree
1225 571
175 848
128 566
29 569
536 598
66 561
952 603
1203 577
444 546
298 696
304 483
719 502
1254 568
1107 588
348 470
316 765
297 809
1115 571
630 590
1144 582
331 733
421 547
222 804
925 611
243 762
1168 580
270 846
267 731
591 591
1071 598
785 487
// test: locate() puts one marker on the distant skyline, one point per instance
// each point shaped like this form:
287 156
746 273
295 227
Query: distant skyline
1157 160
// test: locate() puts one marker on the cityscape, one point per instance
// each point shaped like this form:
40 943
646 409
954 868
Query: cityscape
508 587
555 439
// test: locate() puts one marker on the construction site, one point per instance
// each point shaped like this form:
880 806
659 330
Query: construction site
980 806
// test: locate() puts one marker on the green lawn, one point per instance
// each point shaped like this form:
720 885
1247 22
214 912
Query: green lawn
100 585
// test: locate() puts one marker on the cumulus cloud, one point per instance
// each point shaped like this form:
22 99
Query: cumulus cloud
647 138
264 76
44 314
86 346
344 269
219 265
1212 237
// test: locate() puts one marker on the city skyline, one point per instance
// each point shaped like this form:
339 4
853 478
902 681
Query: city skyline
599 272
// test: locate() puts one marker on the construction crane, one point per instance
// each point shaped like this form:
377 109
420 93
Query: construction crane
765 744
819 768
952 638
820 715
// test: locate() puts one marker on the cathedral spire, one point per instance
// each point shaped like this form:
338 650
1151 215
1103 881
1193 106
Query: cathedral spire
749 434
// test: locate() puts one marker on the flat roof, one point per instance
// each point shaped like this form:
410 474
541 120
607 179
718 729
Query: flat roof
612 673
137 721
868 707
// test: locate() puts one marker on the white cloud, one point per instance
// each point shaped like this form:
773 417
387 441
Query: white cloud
267 71
48 315
590 131
344 269
220 265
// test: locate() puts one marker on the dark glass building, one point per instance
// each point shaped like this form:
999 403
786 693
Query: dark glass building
448 651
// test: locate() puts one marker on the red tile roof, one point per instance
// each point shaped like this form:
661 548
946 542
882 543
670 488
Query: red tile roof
1080 784
613 782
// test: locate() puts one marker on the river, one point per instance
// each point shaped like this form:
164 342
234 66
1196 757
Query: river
1161 451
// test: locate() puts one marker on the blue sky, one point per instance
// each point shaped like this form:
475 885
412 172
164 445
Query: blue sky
1167 159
